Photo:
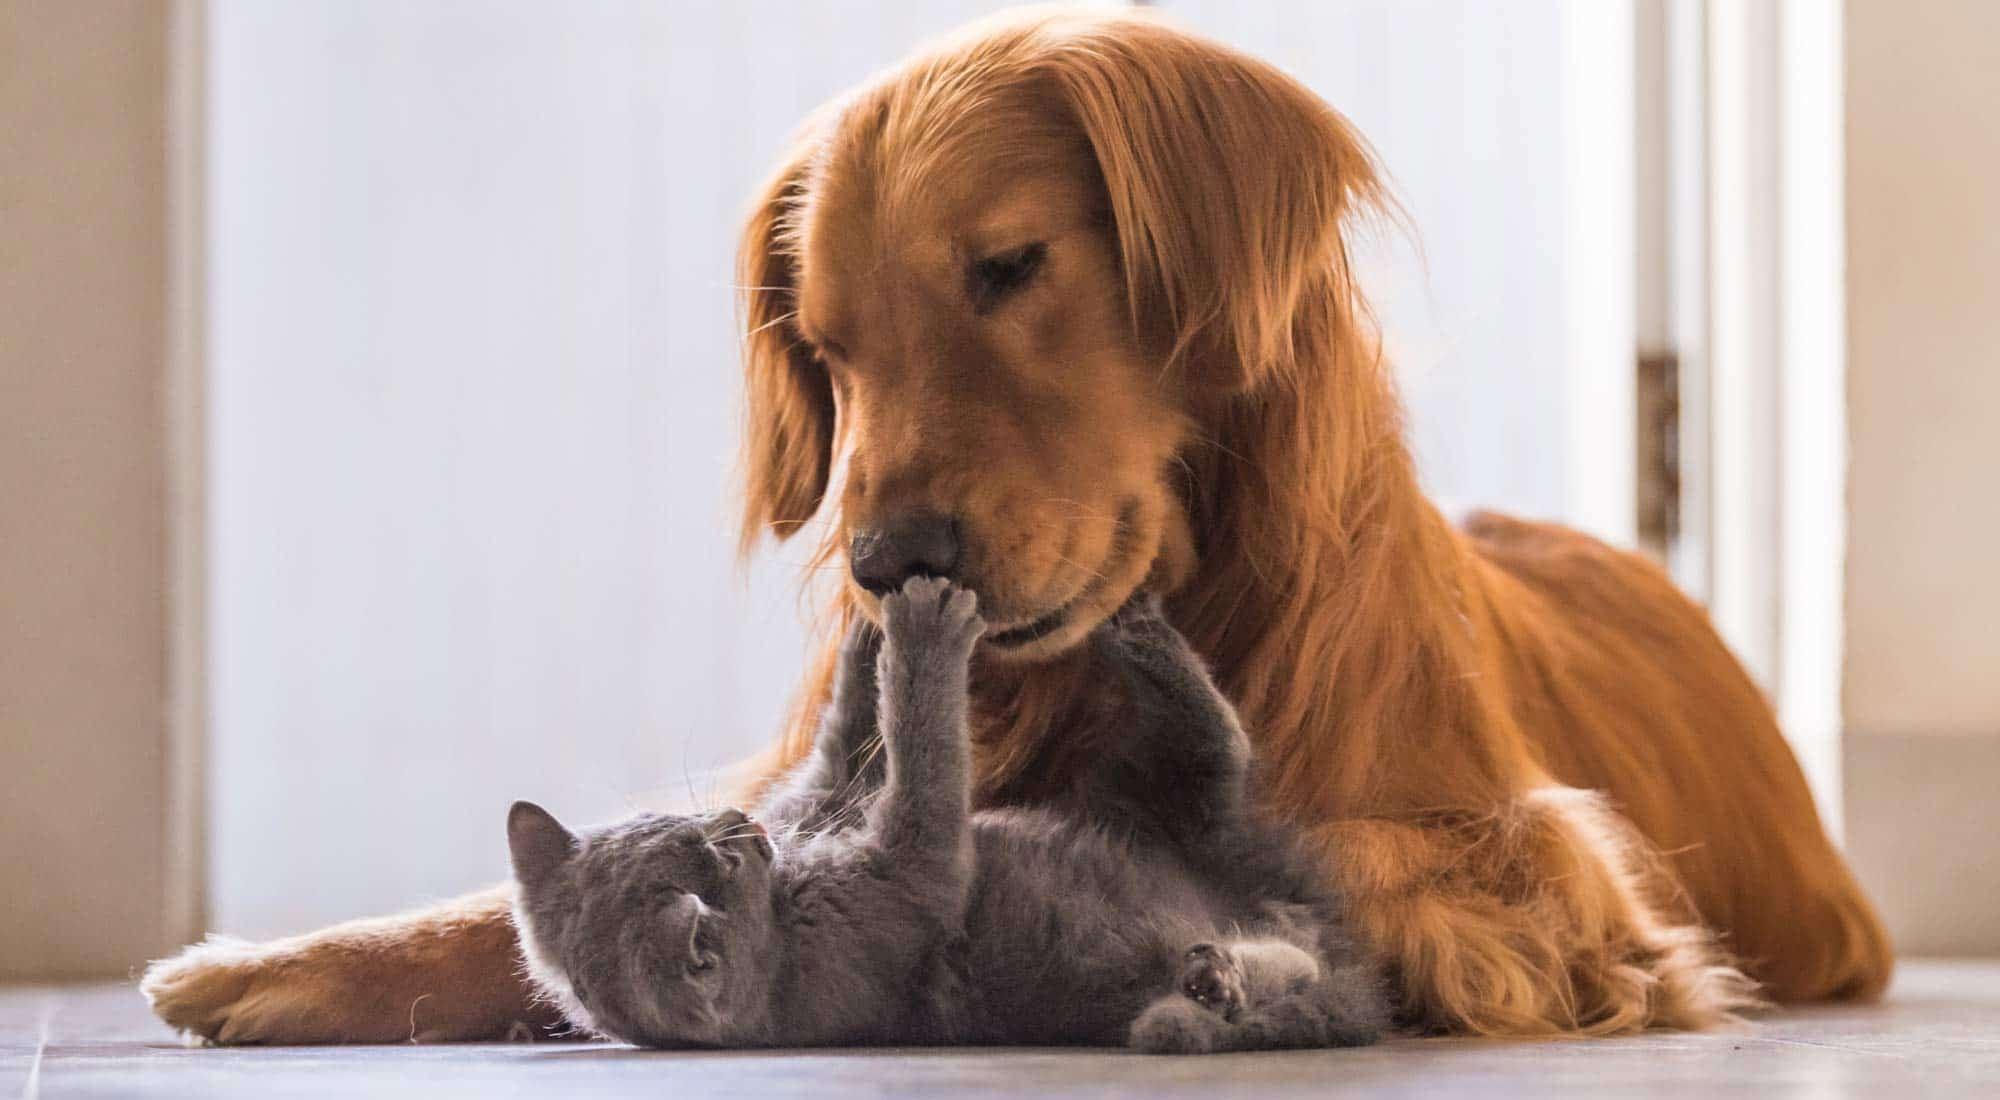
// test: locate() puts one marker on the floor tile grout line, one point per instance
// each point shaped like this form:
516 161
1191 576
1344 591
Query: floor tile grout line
33 1087
1841 1047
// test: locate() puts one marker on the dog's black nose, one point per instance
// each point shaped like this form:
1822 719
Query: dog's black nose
915 544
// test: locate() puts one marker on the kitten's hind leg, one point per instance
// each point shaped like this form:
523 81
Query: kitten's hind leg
1226 979
1261 995
1344 1009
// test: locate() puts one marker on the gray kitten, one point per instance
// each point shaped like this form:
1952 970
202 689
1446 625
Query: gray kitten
1148 906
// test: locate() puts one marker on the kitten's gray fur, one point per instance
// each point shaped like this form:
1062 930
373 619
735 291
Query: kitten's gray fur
1150 906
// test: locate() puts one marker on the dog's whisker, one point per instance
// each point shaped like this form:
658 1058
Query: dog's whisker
774 322
1079 566
1215 444
1083 511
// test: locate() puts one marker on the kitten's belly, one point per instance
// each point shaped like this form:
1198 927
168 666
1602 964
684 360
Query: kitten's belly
1069 934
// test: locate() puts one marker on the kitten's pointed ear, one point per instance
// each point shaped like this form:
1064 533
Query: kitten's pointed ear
537 842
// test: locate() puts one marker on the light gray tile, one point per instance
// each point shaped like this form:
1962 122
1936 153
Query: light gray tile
1938 1034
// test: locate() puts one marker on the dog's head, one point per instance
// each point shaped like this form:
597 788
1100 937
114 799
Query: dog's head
1007 287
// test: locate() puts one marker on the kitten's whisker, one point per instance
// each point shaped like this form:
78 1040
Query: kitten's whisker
687 777
868 752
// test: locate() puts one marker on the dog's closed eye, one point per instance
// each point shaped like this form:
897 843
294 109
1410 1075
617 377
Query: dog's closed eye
992 280
824 348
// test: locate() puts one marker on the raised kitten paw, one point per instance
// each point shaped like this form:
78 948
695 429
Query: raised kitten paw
1210 978
860 644
1142 612
1154 658
1140 631
932 614
854 675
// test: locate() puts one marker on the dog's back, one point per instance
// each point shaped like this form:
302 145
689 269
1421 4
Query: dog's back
1606 650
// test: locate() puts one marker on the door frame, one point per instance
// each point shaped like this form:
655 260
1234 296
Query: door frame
1743 284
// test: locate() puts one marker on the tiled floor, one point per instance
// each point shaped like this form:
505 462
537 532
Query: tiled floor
1938 1034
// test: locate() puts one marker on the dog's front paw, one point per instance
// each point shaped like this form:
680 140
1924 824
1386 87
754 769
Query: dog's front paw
442 976
227 991
199 991
932 615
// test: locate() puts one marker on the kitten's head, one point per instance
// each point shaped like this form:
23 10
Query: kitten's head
654 930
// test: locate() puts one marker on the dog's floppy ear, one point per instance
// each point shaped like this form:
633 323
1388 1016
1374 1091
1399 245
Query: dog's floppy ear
1229 182
788 397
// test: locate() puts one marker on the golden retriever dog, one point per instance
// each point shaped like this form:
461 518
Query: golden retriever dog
1063 309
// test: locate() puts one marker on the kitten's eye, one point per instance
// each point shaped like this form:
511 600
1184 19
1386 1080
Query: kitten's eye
995 278
703 963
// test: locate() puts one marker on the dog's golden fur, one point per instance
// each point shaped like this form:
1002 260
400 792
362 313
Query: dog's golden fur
1555 800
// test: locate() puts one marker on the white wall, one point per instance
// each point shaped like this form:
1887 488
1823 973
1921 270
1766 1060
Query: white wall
473 413
1922 702
1923 283
1510 322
